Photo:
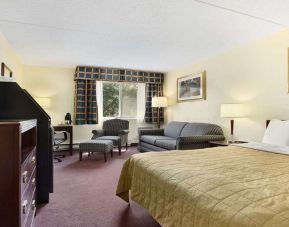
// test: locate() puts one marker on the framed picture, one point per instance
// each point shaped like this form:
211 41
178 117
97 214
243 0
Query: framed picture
192 87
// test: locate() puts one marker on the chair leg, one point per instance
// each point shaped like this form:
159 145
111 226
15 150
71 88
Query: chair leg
80 156
105 157
126 146
111 152
119 149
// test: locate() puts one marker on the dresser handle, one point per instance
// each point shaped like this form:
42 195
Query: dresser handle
24 206
24 176
33 205
33 160
33 182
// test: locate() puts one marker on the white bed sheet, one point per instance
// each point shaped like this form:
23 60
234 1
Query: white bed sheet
265 147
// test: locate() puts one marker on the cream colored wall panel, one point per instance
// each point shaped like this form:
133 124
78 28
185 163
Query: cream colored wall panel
255 74
54 83
8 56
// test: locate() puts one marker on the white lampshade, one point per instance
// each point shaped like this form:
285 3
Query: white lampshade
44 102
159 102
233 110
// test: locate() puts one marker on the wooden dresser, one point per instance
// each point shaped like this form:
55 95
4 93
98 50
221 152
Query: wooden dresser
17 172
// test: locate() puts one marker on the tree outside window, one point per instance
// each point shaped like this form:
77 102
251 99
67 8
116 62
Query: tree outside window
120 100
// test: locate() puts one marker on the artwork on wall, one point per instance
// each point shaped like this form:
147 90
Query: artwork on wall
192 87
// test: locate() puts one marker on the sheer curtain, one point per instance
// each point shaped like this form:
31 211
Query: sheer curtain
141 102
99 96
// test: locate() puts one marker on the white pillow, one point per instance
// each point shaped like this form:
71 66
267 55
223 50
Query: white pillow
277 133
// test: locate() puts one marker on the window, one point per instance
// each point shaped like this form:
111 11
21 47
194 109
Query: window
120 100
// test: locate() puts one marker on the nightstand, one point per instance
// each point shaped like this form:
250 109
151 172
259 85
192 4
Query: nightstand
224 143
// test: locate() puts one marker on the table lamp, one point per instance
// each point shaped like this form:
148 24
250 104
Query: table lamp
159 102
232 111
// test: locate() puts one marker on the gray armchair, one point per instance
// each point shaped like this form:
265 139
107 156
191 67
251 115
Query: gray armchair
115 130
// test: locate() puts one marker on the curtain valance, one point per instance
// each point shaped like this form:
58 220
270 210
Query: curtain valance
117 75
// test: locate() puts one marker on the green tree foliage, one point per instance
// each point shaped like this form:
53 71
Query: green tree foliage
110 99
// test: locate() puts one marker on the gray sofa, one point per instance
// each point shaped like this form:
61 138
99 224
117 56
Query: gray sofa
179 136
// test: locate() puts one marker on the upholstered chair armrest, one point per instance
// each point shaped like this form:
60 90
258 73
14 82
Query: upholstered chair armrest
157 132
97 133
185 142
123 132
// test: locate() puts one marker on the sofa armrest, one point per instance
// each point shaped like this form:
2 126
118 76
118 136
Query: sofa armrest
97 133
159 132
123 132
185 142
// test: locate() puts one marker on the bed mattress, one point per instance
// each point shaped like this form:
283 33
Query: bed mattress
217 187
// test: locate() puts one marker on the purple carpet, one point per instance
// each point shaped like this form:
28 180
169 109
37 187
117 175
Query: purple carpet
84 195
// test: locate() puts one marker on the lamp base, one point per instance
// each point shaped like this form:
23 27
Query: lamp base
159 120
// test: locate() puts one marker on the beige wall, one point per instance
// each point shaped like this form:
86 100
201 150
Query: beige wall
58 85
8 56
54 83
255 74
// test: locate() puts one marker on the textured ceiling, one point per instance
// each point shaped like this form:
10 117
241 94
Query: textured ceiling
148 34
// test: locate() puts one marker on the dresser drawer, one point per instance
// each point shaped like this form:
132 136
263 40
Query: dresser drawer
27 169
31 212
27 198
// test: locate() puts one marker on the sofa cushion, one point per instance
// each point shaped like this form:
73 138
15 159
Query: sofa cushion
143 146
174 129
152 139
200 129
167 144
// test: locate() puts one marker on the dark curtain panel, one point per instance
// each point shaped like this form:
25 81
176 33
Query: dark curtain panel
151 115
85 103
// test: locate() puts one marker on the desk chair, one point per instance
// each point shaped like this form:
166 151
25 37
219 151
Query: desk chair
56 143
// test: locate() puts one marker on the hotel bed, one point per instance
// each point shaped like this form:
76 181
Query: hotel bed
244 185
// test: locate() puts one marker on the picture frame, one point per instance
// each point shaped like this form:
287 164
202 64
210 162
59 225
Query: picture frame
192 87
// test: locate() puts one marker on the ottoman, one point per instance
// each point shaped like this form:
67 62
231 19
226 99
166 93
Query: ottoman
91 146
